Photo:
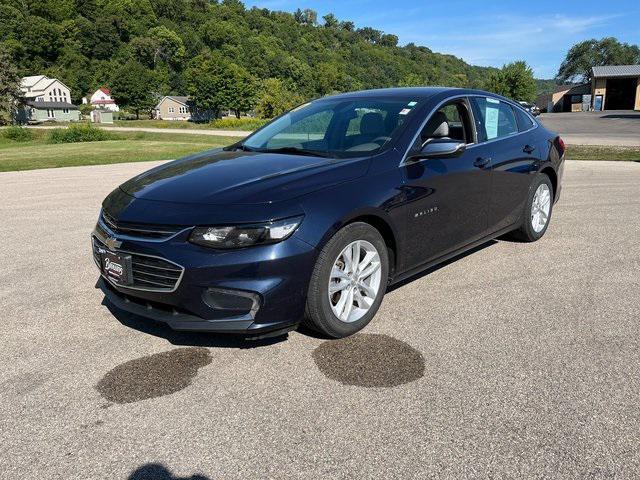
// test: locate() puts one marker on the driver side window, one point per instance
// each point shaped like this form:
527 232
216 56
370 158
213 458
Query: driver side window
451 121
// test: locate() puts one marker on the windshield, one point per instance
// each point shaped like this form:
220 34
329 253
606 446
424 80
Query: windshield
335 128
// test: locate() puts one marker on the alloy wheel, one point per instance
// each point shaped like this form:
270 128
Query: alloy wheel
354 281
540 208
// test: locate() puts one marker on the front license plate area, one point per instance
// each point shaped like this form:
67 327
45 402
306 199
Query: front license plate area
117 267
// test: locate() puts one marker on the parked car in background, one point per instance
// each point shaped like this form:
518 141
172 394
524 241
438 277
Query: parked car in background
313 216
532 108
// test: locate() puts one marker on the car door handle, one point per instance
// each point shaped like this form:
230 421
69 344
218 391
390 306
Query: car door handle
482 162
528 149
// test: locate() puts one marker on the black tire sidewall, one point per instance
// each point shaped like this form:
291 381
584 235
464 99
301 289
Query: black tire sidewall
318 304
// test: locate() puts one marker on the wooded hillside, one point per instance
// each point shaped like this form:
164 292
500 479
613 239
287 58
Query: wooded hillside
90 43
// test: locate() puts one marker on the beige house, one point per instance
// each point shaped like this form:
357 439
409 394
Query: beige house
173 108
180 108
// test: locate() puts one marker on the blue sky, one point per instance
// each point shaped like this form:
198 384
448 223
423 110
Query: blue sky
487 33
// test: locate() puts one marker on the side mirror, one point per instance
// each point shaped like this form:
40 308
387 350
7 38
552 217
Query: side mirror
440 148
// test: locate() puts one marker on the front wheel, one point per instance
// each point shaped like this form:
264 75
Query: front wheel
537 210
348 281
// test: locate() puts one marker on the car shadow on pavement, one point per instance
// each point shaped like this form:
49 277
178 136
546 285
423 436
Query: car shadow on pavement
157 471
191 339
435 268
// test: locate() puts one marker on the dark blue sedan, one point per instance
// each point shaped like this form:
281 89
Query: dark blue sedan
312 217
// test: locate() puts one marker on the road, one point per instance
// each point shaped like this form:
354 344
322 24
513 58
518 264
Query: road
609 128
516 361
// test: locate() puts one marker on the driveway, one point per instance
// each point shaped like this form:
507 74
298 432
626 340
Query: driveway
610 128
518 360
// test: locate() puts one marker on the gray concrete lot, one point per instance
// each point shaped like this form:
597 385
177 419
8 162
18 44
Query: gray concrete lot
521 360
610 128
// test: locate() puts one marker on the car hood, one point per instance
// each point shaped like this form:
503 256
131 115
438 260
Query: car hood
219 177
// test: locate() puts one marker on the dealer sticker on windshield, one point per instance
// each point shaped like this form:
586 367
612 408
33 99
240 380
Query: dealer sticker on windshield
405 111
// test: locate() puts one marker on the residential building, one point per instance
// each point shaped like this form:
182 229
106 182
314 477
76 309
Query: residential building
101 98
180 108
46 99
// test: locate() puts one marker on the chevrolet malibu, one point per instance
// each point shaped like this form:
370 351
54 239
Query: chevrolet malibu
311 218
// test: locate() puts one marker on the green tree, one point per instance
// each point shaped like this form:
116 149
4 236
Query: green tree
330 21
42 39
276 98
306 17
411 80
583 56
207 84
9 88
133 87
515 80
241 90
160 44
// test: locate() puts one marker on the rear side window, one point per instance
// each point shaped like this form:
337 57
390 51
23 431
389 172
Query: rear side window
524 121
495 118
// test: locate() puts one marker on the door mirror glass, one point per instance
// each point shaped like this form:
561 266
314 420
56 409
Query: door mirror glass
440 148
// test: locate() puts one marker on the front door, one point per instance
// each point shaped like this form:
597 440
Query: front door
447 198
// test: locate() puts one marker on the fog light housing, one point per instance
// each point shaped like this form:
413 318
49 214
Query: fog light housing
232 303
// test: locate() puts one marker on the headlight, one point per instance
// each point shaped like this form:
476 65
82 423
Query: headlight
245 235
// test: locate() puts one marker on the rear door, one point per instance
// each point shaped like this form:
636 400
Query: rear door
447 198
505 131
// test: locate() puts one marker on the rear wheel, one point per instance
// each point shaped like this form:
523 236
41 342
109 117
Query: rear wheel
537 210
348 281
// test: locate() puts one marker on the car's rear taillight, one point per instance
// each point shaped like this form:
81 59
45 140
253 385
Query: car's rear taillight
561 146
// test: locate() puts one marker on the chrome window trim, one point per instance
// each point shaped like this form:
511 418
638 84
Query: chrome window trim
97 235
477 143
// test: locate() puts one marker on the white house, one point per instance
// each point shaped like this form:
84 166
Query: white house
101 98
40 88
46 99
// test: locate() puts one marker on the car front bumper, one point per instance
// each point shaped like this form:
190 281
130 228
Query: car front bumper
253 291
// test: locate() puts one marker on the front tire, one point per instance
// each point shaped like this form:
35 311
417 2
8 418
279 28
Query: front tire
348 281
537 210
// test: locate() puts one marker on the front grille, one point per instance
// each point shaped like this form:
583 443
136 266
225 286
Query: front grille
141 230
149 273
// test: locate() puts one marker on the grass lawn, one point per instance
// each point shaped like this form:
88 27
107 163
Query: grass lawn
588 152
145 146
245 124
125 147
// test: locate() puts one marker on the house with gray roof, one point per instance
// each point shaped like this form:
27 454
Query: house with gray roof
180 108
46 99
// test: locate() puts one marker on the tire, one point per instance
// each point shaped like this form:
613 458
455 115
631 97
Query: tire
320 314
527 232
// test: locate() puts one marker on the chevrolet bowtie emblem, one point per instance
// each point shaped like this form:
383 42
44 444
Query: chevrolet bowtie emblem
112 243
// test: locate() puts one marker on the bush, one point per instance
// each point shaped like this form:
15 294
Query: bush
79 133
17 134
238 123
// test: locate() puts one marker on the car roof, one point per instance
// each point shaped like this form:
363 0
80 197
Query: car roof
417 93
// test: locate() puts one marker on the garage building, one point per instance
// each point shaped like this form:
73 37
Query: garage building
616 87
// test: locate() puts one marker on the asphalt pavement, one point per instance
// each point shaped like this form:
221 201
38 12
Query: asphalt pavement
516 361
617 128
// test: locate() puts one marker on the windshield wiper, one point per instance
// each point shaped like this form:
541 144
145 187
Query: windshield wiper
296 151
244 148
